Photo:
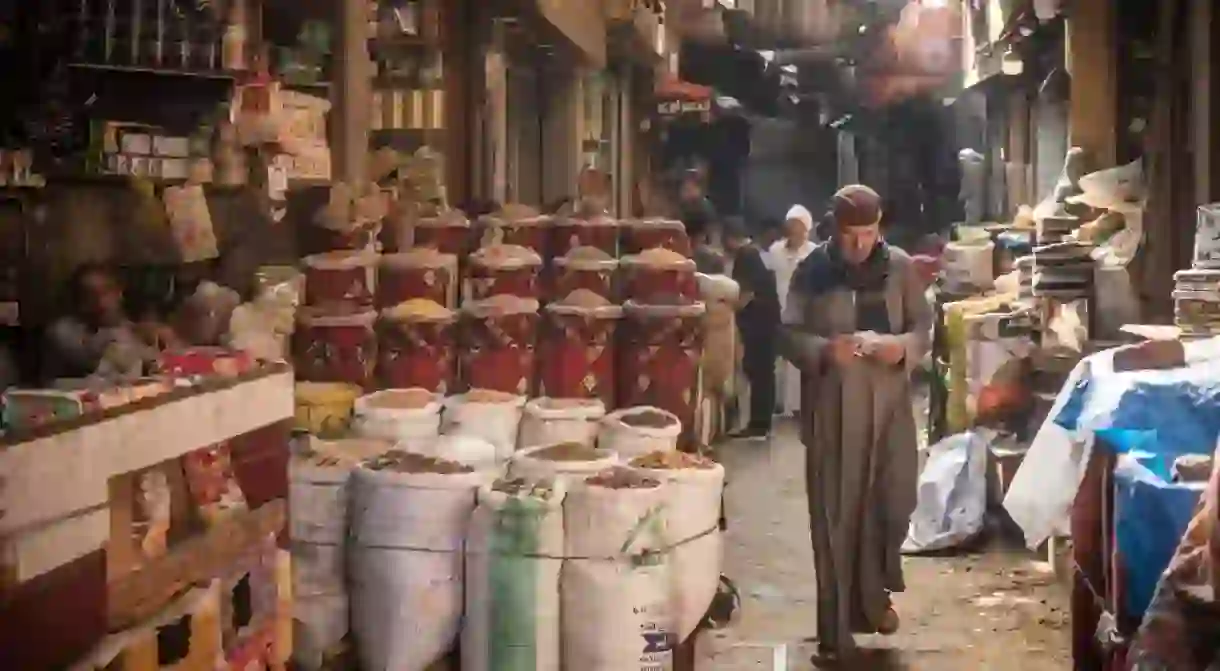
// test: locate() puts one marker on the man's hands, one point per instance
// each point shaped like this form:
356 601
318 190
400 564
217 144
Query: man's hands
843 349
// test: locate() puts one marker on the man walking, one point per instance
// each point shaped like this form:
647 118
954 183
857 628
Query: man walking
783 257
758 323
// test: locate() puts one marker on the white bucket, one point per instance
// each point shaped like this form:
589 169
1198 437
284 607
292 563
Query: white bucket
375 416
550 421
692 530
495 421
407 532
530 467
513 562
970 264
629 441
615 588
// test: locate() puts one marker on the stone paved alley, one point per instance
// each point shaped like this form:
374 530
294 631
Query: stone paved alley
995 611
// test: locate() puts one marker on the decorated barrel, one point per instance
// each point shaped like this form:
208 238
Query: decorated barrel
340 277
532 231
601 232
448 233
498 336
643 234
660 348
586 268
335 346
502 269
415 346
421 273
659 276
578 348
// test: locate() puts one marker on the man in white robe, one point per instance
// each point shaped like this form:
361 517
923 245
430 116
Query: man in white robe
783 257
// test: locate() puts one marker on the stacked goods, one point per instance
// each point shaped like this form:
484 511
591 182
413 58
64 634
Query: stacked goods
659 276
411 416
351 219
548 421
335 345
660 357
1063 271
489 415
643 234
616 580
969 261
520 226
587 268
28 409
340 277
317 528
1056 228
599 232
324 408
1207 238
1024 266
631 432
175 491
693 489
579 340
415 346
498 337
448 233
409 524
562 462
502 270
1196 299
417 274
513 559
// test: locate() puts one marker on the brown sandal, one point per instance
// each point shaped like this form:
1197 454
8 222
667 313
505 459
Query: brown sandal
889 622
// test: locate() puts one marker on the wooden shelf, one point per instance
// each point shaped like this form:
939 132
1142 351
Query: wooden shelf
215 76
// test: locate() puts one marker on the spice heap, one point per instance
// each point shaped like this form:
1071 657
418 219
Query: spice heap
659 256
568 452
409 462
505 255
419 309
672 460
587 254
618 477
584 298
1196 301
502 304
401 399
649 419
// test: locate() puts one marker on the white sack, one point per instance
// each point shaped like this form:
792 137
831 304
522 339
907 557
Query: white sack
952 500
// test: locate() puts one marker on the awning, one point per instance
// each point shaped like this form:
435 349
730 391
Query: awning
676 98
583 28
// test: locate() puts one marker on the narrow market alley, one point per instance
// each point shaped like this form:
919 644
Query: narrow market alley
998 610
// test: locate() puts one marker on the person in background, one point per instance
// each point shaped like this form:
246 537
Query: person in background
770 231
783 257
856 324
97 336
757 323
696 210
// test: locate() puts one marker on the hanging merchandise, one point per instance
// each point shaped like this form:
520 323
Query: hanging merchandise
415 346
516 225
409 519
659 360
645 234
694 489
568 462
548 421
494 416
409 417
659 276
587 268
598 231
190 221
578 337
340 277
498 337
417 274
335 347
513 562
616 582
632 432
500 270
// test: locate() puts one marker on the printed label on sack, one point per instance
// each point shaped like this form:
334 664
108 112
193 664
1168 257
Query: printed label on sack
656 653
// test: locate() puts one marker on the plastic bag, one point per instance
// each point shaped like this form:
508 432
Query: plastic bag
952 494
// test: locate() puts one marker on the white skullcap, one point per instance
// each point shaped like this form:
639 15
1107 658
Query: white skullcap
799 213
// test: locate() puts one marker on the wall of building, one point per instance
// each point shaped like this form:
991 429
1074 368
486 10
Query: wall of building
788 163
